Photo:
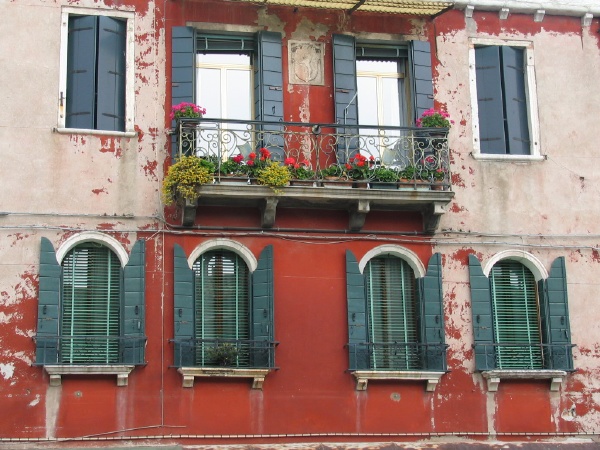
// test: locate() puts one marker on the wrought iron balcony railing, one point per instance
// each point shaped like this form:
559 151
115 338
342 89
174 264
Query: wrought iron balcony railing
231 353
524 356
397 356
420 156
89 350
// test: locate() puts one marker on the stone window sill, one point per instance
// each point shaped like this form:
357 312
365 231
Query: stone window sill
363 377
56 372
493 377
190 373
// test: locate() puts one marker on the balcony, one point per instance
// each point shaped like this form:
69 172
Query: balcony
419 157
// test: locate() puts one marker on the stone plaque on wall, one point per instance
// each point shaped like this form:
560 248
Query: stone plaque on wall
306 62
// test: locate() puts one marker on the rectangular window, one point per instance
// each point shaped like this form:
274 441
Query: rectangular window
96 90
503 96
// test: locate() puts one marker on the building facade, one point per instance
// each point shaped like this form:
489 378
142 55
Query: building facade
452 303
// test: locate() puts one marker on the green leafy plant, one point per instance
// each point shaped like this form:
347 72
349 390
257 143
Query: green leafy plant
359 167
333 171
185 177
274 174
385 174
223 354
255 163
232 166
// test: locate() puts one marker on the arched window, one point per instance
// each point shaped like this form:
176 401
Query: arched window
91 299
516 315
393 314
222 308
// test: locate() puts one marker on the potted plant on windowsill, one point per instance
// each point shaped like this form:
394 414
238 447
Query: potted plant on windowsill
274 175
231 171
254 163
433 139
360 169
384 178
301 172
224 355
335 176
186 116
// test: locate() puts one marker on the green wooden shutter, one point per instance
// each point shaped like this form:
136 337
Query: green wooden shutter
183 72
490 101
515 99
183 278
91 305
555 313
481 310
81 72
422 79
345 90
268 84
432 315
110 98
392 314
516 317
357 314
48 305
262 309
134 311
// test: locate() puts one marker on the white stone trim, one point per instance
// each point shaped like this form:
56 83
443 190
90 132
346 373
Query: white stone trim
190 373
129 68
56 372
389 249
493 377
531 94
228 244
363 377
527 259
93 236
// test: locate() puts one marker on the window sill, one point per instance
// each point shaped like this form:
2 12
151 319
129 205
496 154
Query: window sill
507 158
127 134
493 377
363 377
121 371
190 373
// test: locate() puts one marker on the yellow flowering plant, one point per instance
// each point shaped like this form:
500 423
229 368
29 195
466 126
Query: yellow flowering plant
185 177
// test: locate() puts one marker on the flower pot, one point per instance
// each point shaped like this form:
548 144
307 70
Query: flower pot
361 184
309 183
233 180
334 182
384 185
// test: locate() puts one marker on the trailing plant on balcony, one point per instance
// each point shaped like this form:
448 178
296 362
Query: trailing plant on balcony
299 170
185 177
359 167
274 175
186 110
223 354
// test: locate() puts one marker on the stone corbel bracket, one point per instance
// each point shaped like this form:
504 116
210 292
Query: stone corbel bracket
358 214
432 215
363 377
190 373
268 211
493 377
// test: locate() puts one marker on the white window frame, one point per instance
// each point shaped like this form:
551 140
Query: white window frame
129 67
532 103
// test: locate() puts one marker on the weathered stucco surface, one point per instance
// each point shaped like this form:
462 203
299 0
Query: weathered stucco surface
58 185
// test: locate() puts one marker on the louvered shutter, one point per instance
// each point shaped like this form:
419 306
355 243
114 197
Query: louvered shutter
392 314
515 98
516 319
48 305
91 305
422 78
183 278
556 323
268 87
357 314
490 100
110 99
481 310
346 104
432 315
134 311
262 309
81 72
